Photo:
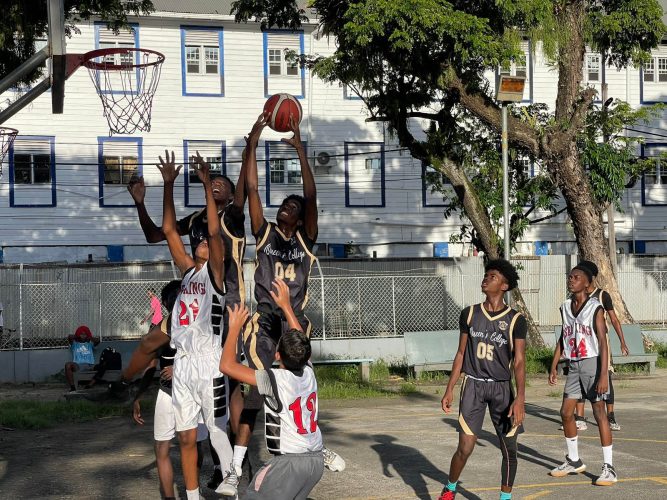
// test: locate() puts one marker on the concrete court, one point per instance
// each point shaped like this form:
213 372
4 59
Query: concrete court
396 448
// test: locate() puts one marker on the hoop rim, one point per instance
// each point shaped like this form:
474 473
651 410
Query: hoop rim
88 58
8 131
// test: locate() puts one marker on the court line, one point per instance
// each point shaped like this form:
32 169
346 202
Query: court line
537 495
659 480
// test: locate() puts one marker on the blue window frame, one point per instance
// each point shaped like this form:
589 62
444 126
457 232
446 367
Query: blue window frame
427 171
202 61
654 183
364 172
32 171
118 159
652 79
283 171
214 152
106 39
288 77
349 95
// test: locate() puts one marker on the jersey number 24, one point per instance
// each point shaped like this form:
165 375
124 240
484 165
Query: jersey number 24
187 310
297 413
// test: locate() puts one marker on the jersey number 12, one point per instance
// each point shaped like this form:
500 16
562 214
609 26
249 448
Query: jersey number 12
297 414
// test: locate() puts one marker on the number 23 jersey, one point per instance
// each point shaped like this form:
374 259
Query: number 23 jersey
490 347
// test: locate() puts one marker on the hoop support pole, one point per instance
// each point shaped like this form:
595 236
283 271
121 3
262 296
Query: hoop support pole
25 68
25 99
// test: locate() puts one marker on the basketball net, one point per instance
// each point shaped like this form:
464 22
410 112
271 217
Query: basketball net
126 80
7 136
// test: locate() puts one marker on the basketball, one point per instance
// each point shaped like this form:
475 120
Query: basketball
280 106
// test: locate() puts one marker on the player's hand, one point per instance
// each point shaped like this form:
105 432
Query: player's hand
447 401
624 349
238 315
603 384
517 412
280 294
136 412
137 189
202 167
168 167
553 377
295 140
167 372
256 131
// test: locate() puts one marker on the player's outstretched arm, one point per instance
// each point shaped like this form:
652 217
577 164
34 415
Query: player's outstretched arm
455 374
309 189
238 314
145 352
137 190
280 295
169 173
601 334
251 180
216 249
240 194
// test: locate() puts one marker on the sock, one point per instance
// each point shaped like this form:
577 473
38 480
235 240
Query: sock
192 494
451 486
505 495
239 455
607 454
610 416
572 448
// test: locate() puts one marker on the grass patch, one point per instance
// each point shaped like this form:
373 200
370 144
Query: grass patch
538 360
342 382
23 414
555 394
407 388
661 349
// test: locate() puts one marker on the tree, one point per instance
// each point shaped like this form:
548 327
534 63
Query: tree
26 21
426 59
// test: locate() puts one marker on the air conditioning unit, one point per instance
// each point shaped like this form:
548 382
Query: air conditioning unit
323 160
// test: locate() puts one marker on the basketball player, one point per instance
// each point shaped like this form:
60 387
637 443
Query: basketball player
608 306
283 251
291 412
229 200
196 327
493 338
584 343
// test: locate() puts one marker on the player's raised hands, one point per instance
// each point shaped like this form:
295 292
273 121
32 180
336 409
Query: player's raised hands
238 315
202 167
447 401
295 140
137 188
256 131
167 167
280 294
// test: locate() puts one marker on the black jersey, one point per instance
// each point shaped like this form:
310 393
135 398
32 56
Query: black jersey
165 355
604 298
232 222
290 259
490 347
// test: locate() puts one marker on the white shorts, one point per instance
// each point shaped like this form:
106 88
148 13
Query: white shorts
198 387
164 422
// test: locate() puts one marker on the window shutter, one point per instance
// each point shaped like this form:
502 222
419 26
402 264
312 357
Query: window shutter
200 37
34 146
120 149
124 37
283 41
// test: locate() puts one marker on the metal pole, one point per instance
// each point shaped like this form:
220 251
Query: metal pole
30 65
506 191
393 302
25 99
21 306
611 226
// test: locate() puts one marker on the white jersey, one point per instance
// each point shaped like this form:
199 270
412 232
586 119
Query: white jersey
579 338
196 322
291 411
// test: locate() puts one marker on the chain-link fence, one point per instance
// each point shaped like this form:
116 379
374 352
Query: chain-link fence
43 305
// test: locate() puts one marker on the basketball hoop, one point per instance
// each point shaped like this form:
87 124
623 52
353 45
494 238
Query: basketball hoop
7 136
126 80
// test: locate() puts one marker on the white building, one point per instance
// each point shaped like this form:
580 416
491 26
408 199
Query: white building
63 196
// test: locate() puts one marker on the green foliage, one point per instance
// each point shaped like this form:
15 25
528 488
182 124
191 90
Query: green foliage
25 21
538 360
22 414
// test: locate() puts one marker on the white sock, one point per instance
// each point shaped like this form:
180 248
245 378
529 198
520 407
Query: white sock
606 454
192 494
239 455
573 448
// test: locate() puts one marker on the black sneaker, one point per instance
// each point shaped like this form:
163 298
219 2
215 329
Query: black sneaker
568 467
215 480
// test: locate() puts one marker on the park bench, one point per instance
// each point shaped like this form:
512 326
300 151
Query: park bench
431 350
363 364
635 343
84 376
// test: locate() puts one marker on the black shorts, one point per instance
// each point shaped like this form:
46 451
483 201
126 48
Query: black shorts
260 341
476 396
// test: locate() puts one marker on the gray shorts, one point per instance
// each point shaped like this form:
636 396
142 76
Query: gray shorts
287 477
84 367
582 377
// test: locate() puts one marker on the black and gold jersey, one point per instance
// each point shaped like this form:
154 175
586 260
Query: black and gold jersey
490 347
290 259
232 222
604 298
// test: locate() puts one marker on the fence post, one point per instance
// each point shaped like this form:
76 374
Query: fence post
324 322
99 315
662 302
21 306
393 301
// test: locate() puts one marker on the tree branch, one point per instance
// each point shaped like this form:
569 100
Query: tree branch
412 114
561 139
547 217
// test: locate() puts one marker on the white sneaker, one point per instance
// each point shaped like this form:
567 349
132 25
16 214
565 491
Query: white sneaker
333 461
568 467
582 425
230 483
607 477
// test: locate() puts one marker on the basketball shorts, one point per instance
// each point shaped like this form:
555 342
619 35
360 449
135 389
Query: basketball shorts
260 342
84 367
289 476
164 421
476 397
582 377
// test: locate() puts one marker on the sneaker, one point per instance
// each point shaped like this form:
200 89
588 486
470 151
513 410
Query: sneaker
215 480
568 467
230 484
447 494
581 425
607 477
613 425
333 461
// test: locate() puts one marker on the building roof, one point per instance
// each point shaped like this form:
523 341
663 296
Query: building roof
220 7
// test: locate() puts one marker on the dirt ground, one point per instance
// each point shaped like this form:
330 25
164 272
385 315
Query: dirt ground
395 448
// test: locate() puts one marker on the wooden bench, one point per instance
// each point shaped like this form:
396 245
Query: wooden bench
363 364
635 343
87 376
431 350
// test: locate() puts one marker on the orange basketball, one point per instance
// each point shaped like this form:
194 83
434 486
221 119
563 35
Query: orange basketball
280 107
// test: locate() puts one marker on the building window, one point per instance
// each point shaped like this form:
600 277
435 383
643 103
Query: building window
593 67
649 71
280 73
119 160
120 169
206 66
106 39
373 164
32 168
202 60
32 172
364 174
215 154
525 166
284 165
